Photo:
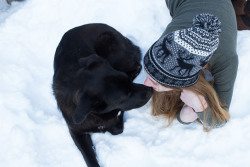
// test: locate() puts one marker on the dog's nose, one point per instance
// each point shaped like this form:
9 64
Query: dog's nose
149 91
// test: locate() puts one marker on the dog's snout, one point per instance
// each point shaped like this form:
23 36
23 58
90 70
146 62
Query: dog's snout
149 91
149 88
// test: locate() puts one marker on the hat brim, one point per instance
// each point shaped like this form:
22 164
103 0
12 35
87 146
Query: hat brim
165 78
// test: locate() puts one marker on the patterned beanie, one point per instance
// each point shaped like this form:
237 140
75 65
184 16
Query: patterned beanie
177 58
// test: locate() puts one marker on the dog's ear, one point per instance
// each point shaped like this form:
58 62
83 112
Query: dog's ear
105 43
82 110
90 62
87 105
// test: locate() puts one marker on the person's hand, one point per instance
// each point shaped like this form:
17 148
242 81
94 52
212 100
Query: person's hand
197 102
187 114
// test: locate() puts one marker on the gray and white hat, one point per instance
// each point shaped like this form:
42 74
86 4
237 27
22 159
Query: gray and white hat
177 58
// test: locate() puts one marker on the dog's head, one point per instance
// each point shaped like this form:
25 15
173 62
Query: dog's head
120 52
104 89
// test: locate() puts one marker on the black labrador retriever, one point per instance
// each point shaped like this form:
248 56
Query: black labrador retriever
94 69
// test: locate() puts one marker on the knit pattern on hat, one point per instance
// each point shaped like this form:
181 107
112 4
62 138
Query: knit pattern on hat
177 58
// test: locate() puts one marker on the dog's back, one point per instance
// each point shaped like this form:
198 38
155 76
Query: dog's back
99 39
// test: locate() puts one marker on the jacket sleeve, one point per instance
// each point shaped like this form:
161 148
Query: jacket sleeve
224 79
173 5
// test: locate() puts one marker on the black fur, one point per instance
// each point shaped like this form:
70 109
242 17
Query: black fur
94 69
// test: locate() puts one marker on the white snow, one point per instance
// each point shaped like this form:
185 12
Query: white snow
32 130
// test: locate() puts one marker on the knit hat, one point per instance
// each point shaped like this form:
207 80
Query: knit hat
177 58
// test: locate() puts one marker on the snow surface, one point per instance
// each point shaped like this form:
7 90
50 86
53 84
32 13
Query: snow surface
32 130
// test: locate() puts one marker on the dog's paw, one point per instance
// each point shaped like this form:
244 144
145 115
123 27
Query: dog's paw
119 126
117 129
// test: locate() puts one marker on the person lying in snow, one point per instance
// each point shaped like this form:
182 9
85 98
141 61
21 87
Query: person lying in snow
193 65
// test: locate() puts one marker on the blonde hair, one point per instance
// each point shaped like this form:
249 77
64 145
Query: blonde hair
168 103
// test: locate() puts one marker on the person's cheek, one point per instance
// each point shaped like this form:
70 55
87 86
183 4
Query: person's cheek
147 82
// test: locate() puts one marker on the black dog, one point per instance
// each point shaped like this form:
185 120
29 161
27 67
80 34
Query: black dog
94 67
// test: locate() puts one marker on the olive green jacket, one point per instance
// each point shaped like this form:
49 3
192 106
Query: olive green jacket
224 62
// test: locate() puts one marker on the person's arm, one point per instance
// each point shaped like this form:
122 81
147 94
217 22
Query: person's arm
166 2
173 5
224 79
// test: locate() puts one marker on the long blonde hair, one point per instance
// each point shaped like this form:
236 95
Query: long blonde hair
168 103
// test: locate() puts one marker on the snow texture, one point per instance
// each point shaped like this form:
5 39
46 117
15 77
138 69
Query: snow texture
32 130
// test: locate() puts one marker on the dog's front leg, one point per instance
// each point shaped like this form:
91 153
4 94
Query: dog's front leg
119 124
85 145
